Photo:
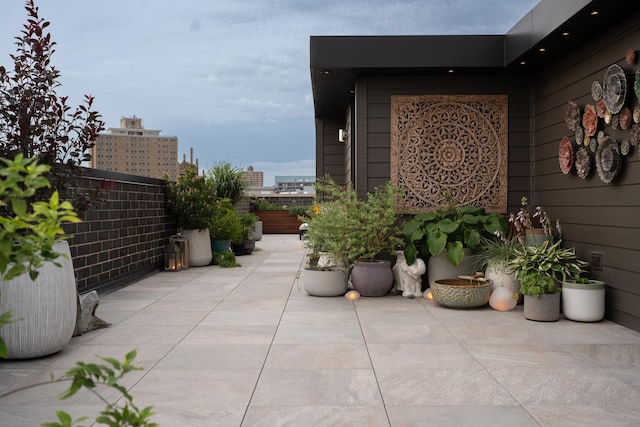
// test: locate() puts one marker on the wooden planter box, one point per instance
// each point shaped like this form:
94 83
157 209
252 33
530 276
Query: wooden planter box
278 222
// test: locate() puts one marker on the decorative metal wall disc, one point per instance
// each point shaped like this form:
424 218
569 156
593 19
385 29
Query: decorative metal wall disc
565 155
583 162
614 88
589 120
596 90
608 160
572 115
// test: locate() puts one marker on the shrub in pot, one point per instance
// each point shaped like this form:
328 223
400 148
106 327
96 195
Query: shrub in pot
541 270
225 226
191 201
249 221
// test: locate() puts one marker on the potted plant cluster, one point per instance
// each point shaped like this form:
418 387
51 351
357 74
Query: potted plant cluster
191 201
249 221
541 270
449 235
355 232
227 182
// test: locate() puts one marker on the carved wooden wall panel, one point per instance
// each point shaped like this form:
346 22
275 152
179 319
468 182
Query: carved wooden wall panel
453 144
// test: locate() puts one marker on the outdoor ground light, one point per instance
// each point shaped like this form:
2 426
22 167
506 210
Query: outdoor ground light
173 260
502 299
352 295
427 294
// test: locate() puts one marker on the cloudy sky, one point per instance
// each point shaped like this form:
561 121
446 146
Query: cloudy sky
229 78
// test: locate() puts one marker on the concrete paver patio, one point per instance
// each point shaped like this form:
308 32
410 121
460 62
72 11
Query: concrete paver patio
248 347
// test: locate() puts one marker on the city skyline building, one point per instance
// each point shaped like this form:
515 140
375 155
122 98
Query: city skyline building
132 149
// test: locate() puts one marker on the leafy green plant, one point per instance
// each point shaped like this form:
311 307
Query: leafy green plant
496 251
452 228
351 228
259 204
37 123
225 223
541 267
248 223
225 259
89 376
297 210
228 182
191 200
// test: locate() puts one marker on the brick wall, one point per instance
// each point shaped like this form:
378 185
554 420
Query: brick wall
123 238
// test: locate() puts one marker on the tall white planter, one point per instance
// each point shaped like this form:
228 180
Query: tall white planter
45 309
199 247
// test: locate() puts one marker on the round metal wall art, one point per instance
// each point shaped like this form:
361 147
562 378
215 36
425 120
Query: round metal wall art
630 57
608 161
572 115
625 147
625 118
596 90
583 162
565 155
607 117
636 85
614 88
589 120
593 145
579 135
636 115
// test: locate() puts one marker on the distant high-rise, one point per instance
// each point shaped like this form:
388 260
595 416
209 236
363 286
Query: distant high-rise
254 178
135 150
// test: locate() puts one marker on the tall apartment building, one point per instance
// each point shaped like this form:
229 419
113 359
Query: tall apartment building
254 178
135 150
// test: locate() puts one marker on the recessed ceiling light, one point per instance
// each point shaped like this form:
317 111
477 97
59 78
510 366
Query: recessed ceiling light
451 71
566 33
594 12
523 62
542 49
325 72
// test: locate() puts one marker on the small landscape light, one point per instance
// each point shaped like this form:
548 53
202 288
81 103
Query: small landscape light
427 294
352 295
502 299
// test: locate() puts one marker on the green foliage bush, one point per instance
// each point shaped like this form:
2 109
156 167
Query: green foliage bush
191 200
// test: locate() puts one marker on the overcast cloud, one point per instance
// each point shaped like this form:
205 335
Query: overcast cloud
229 78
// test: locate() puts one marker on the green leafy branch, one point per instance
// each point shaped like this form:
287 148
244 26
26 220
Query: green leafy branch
91 375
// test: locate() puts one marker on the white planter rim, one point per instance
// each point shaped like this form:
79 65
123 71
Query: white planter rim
593 285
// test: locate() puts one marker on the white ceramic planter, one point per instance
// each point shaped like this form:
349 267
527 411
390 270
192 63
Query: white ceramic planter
44 309
583 302
199 247
327 283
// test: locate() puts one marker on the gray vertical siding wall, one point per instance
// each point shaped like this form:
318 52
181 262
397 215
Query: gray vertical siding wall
595 216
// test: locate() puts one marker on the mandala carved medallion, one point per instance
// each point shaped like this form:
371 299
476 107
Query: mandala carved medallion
450 144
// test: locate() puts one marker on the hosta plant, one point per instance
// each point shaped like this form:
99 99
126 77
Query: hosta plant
542 267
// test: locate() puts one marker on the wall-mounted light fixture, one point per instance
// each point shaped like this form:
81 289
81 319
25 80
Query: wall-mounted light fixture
342 135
